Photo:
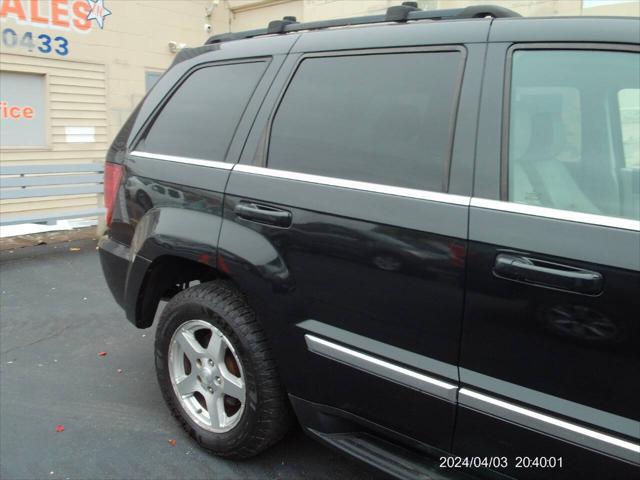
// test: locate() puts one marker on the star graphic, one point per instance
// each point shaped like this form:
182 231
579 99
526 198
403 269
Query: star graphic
98 11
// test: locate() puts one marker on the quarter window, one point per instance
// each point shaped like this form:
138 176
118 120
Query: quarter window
200 118
384 118
573 131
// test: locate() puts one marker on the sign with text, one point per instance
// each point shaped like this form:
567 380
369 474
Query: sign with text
78 15
22 110
55 16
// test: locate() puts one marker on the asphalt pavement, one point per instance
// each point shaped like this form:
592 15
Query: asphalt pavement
56 316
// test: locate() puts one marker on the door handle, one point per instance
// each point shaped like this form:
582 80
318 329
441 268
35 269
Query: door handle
542 273
263 214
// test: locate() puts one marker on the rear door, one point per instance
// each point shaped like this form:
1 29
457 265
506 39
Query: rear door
550 355
347 237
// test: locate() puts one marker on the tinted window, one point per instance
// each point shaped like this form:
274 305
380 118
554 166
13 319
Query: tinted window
199 119
573 131
375 118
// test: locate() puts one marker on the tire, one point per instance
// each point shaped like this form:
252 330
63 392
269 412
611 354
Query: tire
265 416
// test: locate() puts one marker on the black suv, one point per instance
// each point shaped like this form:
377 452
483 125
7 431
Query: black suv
416 233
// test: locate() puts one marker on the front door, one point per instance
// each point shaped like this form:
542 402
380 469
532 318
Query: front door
550 355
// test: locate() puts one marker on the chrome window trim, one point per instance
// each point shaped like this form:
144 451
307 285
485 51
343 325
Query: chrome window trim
187 160
356 185
511 207
546 212
381 368
550 425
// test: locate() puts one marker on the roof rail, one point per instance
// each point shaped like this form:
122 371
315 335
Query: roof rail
406 12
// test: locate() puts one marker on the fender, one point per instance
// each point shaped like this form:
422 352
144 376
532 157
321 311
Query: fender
170 233
249 255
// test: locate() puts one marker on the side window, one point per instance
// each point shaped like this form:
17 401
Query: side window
200 118
383 118
573 131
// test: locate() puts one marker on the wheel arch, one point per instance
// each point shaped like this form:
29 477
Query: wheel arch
163 278
171 248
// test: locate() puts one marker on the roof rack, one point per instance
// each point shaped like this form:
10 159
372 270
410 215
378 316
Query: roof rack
406 12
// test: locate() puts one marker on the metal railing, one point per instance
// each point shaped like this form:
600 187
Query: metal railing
34 181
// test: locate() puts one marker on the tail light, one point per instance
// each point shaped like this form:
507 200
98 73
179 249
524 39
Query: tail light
112 178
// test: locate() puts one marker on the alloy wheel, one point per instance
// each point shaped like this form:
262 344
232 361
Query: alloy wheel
207 376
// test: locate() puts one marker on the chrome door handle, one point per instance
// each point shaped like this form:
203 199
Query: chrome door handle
263 214
542 273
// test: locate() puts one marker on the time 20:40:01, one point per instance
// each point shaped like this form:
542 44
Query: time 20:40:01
29 41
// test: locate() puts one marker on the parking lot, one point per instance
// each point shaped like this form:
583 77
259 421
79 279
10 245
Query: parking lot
56 316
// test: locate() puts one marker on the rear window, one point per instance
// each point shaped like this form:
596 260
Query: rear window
573 131
200 118
384 118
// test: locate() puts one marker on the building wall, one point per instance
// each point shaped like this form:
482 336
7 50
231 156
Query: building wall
623 9
236 15
76 97
246 15
97 83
